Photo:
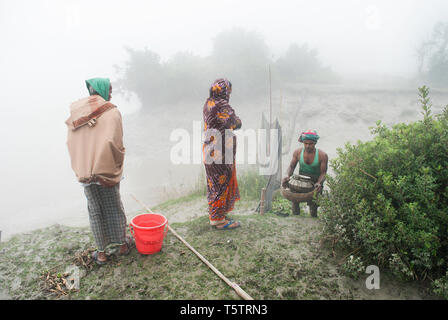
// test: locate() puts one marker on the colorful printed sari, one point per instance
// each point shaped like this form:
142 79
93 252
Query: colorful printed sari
219 151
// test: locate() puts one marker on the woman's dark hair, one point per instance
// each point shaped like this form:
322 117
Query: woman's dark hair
92 91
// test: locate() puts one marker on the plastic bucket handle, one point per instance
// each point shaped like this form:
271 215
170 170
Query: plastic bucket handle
148 228
165 231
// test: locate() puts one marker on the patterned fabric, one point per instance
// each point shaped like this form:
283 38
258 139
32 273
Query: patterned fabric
309 135
219 151
106 214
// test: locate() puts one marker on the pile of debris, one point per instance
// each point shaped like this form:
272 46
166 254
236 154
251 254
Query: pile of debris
55 284
59 284
84 259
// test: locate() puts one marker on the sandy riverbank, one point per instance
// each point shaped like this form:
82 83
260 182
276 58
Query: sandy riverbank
270 257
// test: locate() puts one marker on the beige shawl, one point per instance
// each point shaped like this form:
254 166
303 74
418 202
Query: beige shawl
95 141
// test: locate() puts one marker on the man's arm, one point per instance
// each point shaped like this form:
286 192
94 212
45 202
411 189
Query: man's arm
291 167
323 171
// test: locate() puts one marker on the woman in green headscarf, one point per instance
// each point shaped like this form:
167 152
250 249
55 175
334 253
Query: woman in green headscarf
95 144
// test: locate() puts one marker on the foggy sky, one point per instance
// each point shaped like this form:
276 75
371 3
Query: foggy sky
68 39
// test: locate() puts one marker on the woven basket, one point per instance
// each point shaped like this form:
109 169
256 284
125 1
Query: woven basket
300 184
297 197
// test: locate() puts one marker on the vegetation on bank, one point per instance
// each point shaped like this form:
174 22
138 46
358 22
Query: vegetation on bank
389 199
269 257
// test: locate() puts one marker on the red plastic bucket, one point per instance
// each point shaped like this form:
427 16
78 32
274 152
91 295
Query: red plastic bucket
148 230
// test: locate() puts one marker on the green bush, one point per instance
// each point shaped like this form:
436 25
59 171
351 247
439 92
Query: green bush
440 286
281 206
353 267
389 196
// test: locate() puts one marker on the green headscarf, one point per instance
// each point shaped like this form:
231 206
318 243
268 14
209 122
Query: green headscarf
309 135
100 85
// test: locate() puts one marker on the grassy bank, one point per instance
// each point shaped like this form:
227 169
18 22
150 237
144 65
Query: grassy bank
270 257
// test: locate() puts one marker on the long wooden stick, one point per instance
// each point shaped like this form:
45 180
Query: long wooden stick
262 201
270 111
270 100
235 286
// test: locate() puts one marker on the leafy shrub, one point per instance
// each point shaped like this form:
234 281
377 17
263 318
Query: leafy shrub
399 268
389 196
353 267
440 286
281 206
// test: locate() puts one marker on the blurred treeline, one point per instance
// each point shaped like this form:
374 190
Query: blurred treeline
239 55
432 56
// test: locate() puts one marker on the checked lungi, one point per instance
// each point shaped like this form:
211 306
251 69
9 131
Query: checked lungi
106 214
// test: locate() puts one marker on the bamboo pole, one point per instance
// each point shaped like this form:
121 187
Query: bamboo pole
270 99
235 286
262 201
270 111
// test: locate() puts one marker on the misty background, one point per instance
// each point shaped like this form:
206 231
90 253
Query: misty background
342 64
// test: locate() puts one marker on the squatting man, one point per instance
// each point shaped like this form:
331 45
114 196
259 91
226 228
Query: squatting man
313 163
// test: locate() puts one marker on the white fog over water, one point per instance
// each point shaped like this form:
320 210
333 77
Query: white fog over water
49 48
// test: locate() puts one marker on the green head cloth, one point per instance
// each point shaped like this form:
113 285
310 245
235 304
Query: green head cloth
100 85
309 135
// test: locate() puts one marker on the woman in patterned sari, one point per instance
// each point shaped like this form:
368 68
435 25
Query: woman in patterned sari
219 151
